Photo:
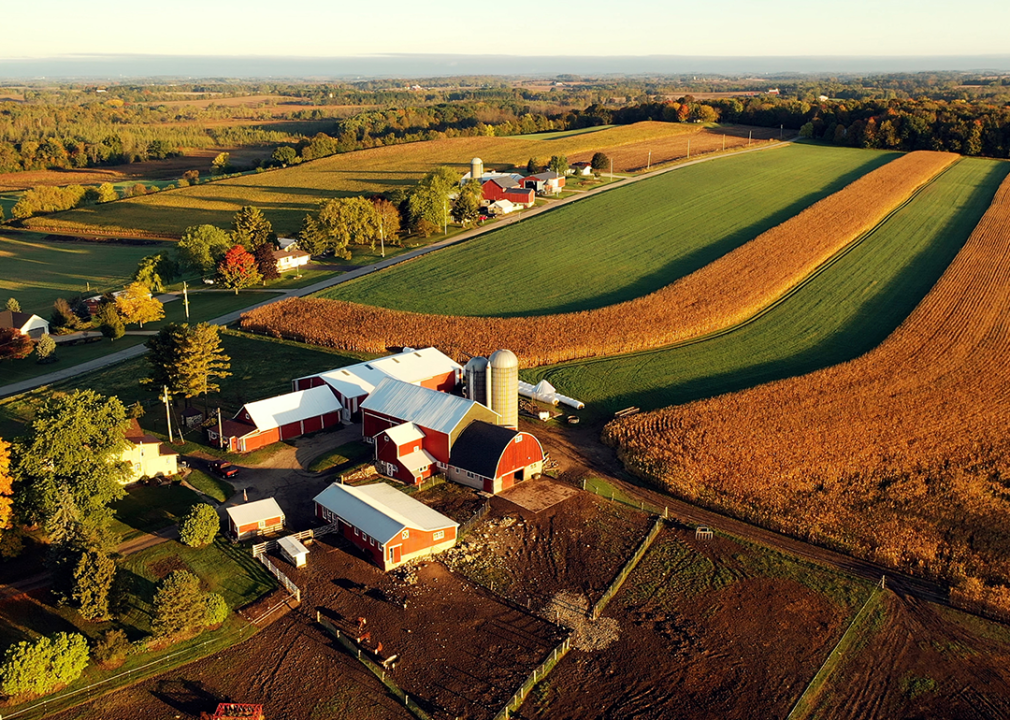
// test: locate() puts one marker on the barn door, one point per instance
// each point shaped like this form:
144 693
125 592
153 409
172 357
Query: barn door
394 554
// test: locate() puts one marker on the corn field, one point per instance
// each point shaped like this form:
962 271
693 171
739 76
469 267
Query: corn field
901 456
720 295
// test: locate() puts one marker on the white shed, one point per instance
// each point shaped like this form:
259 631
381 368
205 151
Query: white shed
293 550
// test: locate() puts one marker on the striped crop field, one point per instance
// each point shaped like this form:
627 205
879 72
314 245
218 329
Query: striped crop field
900 454
287 195
722 294
620 245
840 313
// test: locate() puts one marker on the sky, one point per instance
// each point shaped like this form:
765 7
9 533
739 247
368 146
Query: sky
342 28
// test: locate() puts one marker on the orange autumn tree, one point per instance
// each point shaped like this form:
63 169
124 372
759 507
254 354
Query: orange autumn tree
238 270
5 485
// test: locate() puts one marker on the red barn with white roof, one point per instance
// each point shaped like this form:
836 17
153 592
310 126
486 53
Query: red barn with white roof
399 453
389 526
427 367
439 416
283 417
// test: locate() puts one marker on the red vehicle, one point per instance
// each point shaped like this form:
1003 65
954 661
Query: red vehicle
223 468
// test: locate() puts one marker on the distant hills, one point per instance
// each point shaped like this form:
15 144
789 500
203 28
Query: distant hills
113 67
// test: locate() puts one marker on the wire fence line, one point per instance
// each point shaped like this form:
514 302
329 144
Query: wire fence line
378 670
538 674
130 675
626 569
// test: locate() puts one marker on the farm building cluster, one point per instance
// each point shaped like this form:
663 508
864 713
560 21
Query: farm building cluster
424 414
503 193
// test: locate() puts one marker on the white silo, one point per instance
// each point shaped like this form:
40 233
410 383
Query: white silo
475 375
504 371
476 169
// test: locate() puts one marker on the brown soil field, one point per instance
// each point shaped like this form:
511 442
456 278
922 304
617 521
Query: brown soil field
577 546
917 660
704 629
463 653
899 455
722 294
168 169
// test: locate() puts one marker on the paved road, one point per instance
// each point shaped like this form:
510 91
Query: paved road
136 351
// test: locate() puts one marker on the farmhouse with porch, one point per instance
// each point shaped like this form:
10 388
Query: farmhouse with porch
148 456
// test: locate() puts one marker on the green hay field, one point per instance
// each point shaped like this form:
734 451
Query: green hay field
838 315
287 195
37 272
619 245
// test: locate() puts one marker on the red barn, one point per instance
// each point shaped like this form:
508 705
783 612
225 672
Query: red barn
508 189
439 416
389 526
493 458
283 417
399 453
427 367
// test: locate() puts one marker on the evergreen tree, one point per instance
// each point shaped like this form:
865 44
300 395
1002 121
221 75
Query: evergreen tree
179 605
312 238
201 360
250 228
13 305
93 578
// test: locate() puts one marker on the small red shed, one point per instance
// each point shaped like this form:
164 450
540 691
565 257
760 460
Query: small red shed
282 417
255 518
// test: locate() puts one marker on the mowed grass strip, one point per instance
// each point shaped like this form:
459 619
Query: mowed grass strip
734 288
36 272
620 245
287 195
841 313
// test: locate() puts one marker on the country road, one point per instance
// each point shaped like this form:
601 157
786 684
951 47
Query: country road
138 350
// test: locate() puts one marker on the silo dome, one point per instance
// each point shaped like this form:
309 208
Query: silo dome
476 169
504 372
475 377
504 359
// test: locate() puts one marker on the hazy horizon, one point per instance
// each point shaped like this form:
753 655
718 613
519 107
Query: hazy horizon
418 65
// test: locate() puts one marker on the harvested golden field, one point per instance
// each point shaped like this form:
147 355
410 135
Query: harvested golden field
900 456
722 294
288 194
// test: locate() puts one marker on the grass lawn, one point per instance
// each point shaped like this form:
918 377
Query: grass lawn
37 272
206 305
838 315
147 509
260 367
349 453
12 371
286 195
620 245
210 485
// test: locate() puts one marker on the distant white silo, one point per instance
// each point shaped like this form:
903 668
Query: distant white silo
476 169
504 370
475 376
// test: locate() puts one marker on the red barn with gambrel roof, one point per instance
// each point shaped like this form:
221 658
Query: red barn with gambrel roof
493 458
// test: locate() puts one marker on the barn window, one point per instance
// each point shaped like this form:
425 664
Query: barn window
519 439
406 534
355 532
438 535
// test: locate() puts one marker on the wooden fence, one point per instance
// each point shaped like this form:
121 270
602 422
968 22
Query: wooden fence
281 577
626 569
310 534
467 525
380 672
538 674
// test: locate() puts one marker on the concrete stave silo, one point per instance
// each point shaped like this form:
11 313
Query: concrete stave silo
475 376
503 368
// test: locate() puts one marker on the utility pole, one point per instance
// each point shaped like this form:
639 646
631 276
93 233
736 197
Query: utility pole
445 216
382 236
611 168
689 149
185 298
780 131
649 165
168 414
749 133
220 429
724 142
